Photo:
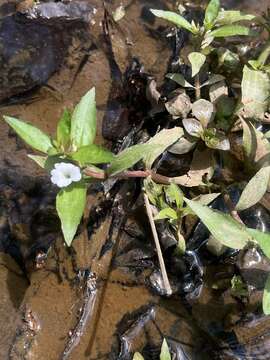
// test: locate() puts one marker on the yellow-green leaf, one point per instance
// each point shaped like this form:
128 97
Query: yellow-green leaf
63 129
174 18
211 13
92 154
255 189
165 352
83 121
197 60
231 30
222 226
34 137
70 203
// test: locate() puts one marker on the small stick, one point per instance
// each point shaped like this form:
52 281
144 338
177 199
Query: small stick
159 252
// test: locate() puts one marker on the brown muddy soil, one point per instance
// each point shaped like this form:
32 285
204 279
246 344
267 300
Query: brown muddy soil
52 306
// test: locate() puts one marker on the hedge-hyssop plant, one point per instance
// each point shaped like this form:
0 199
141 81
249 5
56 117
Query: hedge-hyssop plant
73 160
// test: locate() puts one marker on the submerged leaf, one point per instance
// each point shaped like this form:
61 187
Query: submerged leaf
255 189
193 127
197 60
231 30
179 79
175 18
70 204
83 122
266 297
160 142
165 352
34 137
183 145
255 92
204 111
92 154
201 169
179 105
222 226
213 79
211 13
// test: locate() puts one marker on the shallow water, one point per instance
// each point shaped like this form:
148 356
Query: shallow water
52 304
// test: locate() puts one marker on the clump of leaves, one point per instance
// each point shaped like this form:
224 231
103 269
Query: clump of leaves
218 23
202 127
171 206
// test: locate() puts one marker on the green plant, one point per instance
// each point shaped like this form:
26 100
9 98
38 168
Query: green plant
217 24
73 160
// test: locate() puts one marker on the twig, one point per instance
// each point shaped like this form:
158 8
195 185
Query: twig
159 252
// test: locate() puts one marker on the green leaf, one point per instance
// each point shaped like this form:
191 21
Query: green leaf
167 213
264 55
213 79
63 129
255 92
263 240
174 195
266 297
30 134
197 60
40 160
70 203
222 226
160 142
129 157
211 13
165 352
154 191
232 16
256 146
175 18
231 30
92 154
138 356
205 199
83 122
255 189
179 79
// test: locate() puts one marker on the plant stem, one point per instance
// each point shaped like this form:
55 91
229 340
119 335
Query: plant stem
161 179
197 87
157 243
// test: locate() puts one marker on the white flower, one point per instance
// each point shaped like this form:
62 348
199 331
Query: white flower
64 174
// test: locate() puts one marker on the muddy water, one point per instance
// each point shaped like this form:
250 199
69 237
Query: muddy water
92 301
